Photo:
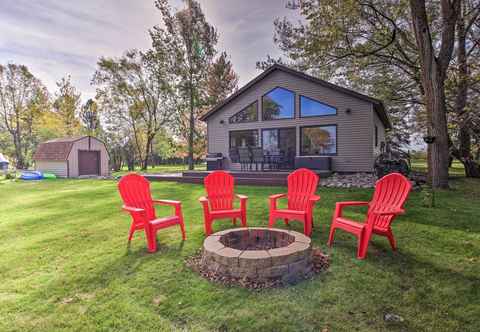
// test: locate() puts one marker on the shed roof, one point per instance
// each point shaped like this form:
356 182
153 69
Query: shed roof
377 104
56 149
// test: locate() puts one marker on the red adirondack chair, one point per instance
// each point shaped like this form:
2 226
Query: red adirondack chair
218 204
301 198
391 192
135 192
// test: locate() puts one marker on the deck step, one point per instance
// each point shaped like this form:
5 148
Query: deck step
241 178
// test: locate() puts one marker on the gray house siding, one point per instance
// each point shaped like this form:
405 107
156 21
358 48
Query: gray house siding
355 145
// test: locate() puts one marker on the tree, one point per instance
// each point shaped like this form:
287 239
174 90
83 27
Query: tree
22 99
221 80
66 105
90 117
189 40
135 90
434 68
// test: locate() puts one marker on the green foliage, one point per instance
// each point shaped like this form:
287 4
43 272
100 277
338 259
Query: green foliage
23 102
66 106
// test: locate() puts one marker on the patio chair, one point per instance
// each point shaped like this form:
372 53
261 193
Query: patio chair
233 154
390 195
257 158
135 192
244 158
301 198
218 204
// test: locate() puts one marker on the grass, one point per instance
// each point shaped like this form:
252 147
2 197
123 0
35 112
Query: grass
457 169
65 265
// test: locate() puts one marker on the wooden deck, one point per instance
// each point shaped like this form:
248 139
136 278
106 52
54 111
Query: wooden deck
266 178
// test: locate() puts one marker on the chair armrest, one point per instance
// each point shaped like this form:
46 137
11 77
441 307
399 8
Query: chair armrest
314 198
340 205
273 200
132 209
389 212
166 202
241 197
203 200
277 196
352 203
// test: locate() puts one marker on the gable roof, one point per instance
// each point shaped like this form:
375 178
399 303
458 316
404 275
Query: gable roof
378 105
56 149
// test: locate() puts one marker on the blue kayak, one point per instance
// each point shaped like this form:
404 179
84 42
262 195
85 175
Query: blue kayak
31 175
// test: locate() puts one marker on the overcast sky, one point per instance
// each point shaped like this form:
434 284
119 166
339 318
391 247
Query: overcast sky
57 37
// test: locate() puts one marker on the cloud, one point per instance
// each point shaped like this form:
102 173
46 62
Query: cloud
55 38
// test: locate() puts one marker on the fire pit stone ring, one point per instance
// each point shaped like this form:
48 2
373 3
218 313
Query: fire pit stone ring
259 253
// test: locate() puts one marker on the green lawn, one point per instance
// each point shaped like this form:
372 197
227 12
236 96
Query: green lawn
65 265
457 169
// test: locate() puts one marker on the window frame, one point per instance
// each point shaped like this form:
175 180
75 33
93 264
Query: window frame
294 104
244 108
237 130
323 154
317 101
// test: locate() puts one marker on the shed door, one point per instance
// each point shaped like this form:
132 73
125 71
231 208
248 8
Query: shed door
88 162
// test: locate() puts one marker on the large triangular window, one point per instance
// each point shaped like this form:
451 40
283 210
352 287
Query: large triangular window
248 114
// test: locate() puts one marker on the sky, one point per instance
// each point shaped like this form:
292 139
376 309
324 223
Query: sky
55 38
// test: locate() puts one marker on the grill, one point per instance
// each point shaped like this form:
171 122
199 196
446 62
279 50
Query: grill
214 161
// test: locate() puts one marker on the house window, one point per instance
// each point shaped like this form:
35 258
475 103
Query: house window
278 104
244 138
279 141
311 107
318 140
376 136
248 114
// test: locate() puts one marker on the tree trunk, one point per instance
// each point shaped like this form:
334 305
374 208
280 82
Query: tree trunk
20 160
191 130
433 71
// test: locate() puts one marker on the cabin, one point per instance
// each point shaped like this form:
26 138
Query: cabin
73 157
285 119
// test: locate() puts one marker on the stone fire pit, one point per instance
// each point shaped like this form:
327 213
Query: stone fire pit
260 254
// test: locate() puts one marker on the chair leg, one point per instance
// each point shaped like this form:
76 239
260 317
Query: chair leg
360 248
271 221
182 228
363 242
243 219
151 236
332 235
391 239
130 233
234 221
286 221
208 227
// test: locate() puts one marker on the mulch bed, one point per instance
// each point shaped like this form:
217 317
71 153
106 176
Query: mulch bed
320 263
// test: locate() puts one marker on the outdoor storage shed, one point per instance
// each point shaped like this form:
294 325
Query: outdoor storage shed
72 157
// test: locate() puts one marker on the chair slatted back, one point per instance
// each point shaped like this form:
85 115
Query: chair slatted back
220 190
135 192
302 184
391 192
